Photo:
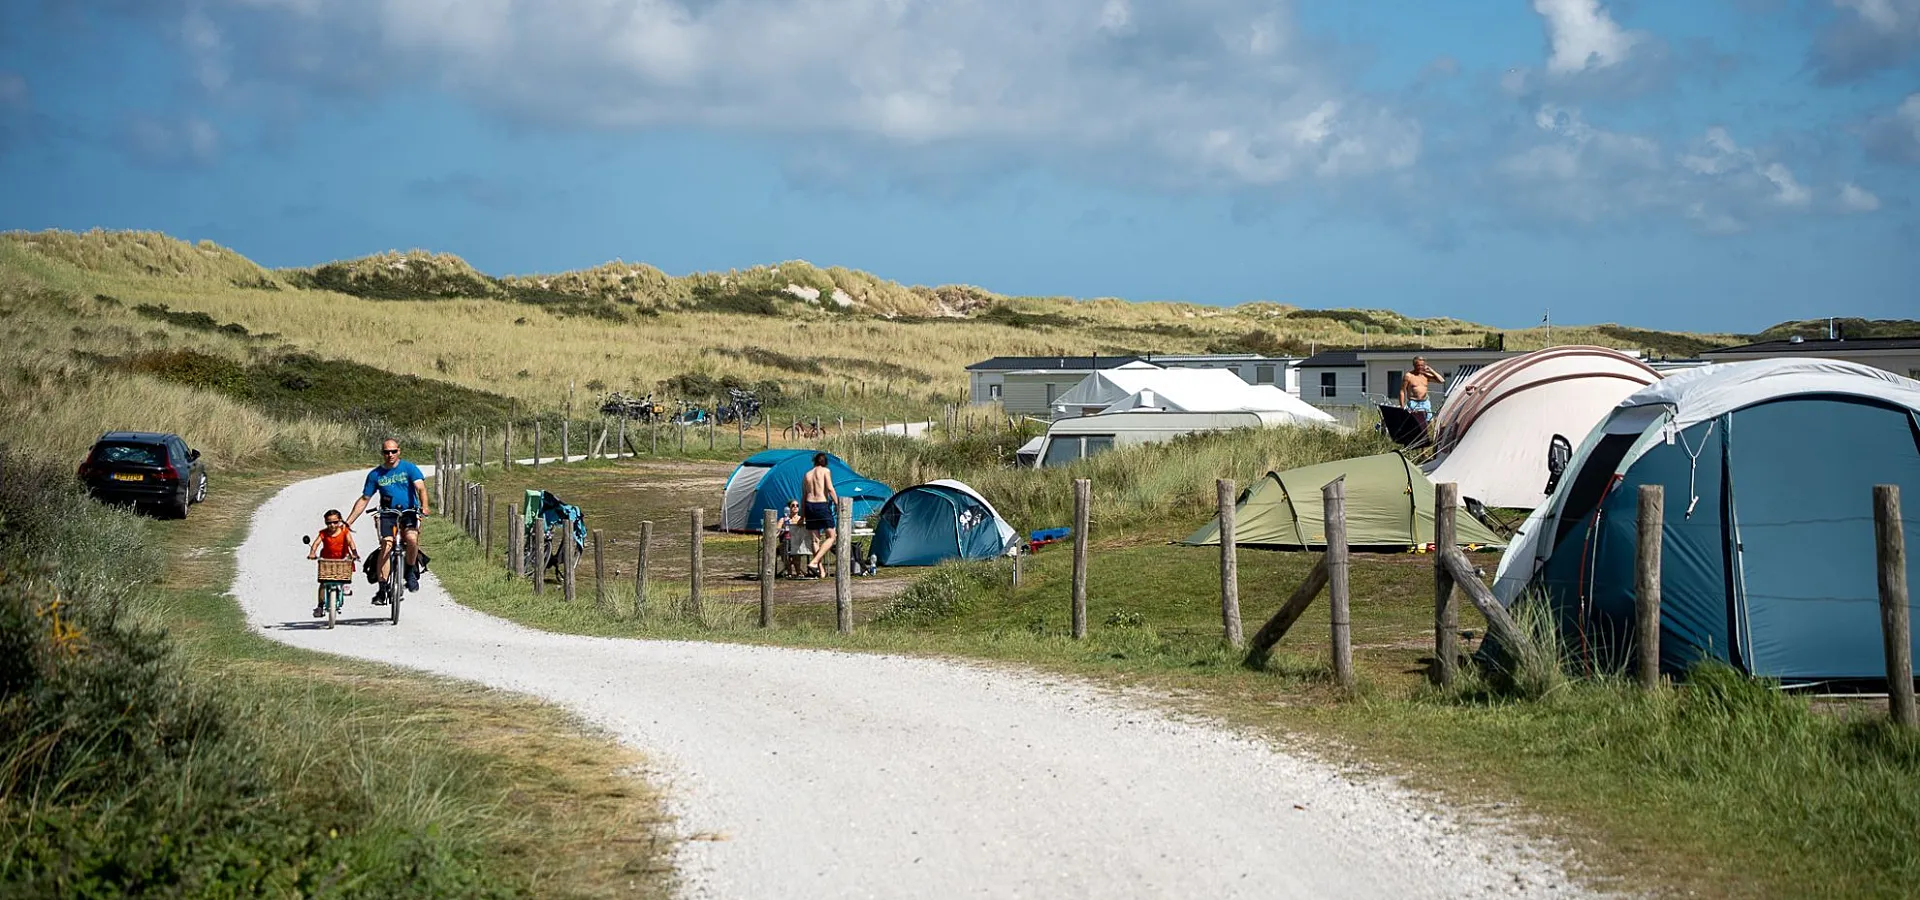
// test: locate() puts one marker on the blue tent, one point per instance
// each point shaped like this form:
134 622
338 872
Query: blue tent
767 480
930 523
1767 558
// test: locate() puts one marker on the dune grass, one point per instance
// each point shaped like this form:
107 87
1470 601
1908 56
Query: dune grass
476 334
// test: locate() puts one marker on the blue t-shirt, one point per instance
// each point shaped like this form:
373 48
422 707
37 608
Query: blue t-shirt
394 484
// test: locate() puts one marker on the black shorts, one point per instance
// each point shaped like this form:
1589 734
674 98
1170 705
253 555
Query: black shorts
819 515
409 521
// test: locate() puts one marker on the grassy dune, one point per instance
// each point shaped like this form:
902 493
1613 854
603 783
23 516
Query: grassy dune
894 350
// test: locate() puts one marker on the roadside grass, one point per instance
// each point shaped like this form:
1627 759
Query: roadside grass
191 757
1722 787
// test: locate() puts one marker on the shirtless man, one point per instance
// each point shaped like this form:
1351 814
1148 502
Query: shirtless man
1413 389
821 502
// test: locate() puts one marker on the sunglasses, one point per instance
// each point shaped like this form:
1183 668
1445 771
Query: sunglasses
390 453
331 522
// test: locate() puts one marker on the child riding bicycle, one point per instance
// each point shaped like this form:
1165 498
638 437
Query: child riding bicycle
334 541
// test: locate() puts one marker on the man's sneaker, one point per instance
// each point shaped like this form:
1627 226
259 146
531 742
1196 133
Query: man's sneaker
413 579
380 596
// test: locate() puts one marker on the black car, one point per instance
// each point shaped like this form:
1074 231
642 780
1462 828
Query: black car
145 468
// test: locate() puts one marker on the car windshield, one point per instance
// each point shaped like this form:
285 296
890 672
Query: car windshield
130 454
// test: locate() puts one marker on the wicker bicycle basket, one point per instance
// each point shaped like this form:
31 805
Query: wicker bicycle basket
336 570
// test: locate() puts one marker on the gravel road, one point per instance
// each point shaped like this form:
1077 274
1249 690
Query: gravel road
821 774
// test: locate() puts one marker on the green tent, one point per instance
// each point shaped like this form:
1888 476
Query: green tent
1389 504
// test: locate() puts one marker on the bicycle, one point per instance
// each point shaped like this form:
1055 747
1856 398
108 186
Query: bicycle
391 543
334 575
804 431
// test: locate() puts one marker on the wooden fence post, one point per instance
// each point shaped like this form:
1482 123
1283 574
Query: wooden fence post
1229 566
622 442
1082 515
1499 622
506 446
566 439
843 566
486 546
640 569
769 541
1446 616
696 552
536 443
599 574
653 438
539 573
710 421
1646 586
515 553
1890 552
1333 498
569 559
766 429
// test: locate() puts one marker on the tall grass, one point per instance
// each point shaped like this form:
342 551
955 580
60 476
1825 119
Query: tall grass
532 351
56 410
1139 487
120 775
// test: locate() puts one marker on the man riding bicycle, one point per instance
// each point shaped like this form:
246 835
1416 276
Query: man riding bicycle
402 489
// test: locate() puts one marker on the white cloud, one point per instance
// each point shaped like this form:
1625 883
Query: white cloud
1894 136
1216 92
1570 169
1854 198
1583 36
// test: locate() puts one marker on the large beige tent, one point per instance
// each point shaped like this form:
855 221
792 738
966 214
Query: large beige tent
1493 434
1389 503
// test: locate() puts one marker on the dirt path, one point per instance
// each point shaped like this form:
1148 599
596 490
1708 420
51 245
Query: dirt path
800 773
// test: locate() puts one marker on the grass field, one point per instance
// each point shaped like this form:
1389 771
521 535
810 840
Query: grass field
1724 788
483 336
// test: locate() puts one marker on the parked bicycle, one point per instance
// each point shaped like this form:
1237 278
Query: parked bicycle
742 406
804 431
643 409
687 413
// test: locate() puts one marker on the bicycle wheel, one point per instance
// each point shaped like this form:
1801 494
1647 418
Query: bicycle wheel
396 580
330 596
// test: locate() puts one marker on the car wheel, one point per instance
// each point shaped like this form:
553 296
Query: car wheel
200 493
179 507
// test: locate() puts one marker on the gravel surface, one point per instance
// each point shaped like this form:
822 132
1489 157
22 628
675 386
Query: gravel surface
802 773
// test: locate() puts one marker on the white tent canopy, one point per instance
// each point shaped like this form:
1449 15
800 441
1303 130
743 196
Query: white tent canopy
1211 391
1100 389
1493 435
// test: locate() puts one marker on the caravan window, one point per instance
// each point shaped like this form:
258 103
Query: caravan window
993 392
1262 374
1067 448
1327 388
1060 451
1393 380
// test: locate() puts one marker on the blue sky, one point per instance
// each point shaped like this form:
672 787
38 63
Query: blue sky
1707 164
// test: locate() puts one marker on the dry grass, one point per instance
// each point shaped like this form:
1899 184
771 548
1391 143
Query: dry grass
476 336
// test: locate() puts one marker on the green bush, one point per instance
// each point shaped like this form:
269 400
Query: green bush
944 593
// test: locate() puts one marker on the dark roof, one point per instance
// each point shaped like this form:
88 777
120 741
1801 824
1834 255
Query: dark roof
136 436
1822 346
1412 352
1333 359
1010 363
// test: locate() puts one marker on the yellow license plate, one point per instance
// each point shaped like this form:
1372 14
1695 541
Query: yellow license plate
125 476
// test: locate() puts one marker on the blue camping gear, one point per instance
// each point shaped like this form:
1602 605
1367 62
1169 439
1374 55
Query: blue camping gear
770 478
930 523
542 512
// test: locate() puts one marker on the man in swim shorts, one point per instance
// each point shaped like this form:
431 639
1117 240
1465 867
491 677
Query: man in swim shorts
819 503
1413 390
